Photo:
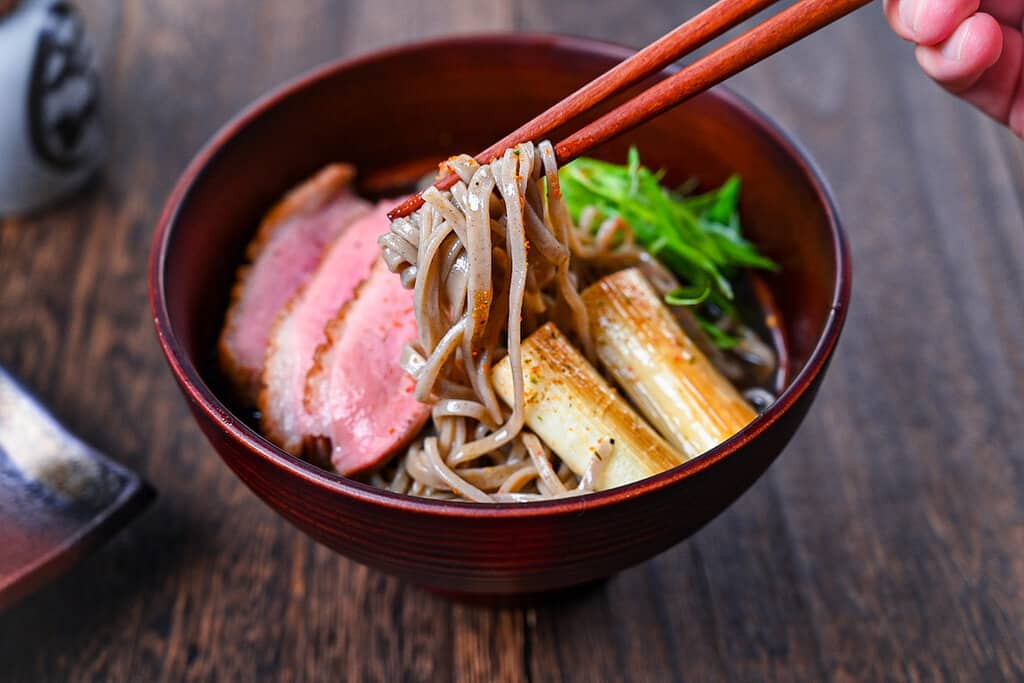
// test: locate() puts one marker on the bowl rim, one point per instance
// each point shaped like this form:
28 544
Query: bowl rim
202 397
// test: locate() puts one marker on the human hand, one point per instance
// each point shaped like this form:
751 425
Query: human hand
972 48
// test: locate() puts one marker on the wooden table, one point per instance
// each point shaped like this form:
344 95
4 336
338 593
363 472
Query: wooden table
886 544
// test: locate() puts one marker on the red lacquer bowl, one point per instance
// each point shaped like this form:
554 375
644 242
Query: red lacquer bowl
407 108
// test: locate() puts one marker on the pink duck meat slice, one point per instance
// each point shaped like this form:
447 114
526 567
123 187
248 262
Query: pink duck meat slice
281 259
300 329
357 393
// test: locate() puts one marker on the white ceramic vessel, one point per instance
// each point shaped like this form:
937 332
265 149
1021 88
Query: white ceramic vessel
51 140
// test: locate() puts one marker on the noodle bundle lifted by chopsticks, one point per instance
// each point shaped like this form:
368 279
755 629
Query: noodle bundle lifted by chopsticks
507 351
490 261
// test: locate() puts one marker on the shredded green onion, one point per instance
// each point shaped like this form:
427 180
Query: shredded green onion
698 237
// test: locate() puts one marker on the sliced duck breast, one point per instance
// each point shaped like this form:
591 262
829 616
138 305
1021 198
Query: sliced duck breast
357 393
300 329
283 256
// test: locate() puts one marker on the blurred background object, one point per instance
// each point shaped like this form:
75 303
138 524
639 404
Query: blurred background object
51 140
59 498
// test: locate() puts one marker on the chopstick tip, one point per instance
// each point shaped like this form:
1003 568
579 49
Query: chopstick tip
406 207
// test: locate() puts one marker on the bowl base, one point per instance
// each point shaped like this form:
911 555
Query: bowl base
558 596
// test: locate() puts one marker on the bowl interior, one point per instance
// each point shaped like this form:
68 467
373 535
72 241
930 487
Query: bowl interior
408 109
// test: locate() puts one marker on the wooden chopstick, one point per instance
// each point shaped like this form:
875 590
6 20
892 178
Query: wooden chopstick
681 41
762 41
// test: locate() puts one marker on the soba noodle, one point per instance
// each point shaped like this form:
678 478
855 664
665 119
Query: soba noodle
490 261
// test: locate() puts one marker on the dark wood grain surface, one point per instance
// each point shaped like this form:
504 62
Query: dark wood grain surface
886 544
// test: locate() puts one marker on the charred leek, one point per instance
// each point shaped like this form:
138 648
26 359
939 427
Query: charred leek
572 409
650 357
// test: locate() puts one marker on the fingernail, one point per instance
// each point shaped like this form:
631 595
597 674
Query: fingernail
909 11
954 46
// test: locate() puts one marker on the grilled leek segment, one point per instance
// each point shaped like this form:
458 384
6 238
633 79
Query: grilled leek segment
649 356
574 410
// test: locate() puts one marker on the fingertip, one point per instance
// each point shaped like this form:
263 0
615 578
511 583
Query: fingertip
983 43
893 9
935 21
960 60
